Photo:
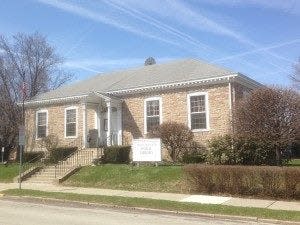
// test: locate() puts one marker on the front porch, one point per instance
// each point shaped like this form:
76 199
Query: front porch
102 121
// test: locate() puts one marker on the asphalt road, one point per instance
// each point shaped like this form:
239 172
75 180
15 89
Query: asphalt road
28 213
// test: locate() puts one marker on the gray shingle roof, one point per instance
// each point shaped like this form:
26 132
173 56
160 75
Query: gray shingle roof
172 72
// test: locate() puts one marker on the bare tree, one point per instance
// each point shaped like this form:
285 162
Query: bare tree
176 137
269 115
30 60
296 75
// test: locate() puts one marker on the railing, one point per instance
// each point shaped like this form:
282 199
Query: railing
75 160
34 164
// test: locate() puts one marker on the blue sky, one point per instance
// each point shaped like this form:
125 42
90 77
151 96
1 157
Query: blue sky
260 38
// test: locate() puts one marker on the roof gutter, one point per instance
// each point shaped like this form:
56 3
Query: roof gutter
220 79
55 100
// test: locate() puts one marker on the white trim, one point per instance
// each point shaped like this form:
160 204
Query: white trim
65 122
54 100
109 131
145 111
84 122
175 84
119 122
96 119
230 98
206 110
36 122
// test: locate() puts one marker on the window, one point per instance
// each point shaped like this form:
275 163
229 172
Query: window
41 124
198 111
71 122
152 113
105 124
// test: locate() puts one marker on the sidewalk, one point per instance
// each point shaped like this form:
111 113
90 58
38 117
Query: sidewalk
204 199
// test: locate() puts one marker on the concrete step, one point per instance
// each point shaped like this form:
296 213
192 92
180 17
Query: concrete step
47 174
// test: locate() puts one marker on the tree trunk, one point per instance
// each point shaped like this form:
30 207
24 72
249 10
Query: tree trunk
278 157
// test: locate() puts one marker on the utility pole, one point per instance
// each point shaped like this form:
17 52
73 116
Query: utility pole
22 132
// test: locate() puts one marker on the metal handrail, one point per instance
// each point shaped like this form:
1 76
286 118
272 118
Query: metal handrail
33 163
72 161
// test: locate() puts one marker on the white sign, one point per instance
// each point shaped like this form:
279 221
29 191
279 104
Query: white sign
146 150
2 150
21 135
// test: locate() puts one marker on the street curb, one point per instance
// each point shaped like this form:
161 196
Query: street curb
151 210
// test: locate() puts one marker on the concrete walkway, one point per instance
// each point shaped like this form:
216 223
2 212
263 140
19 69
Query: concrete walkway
203 199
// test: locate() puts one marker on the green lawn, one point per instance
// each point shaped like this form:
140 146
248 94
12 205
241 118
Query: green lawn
162 204
295 162
127 177
7 173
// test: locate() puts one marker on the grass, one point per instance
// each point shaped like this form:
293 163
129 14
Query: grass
295 162
162 204
7 173
127 177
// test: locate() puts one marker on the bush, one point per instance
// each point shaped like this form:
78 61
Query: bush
259 181
193 157
50 142
32 156
196 154
176 137
229 150
116 154
270 116
58 154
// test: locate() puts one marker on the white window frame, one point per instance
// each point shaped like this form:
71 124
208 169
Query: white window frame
65 123
145 111
205 94
36 122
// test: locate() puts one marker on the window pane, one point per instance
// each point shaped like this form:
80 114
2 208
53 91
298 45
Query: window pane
105 125
153 108
197 103
152 123
71 116
198 121
71 129
41 131
70 122
42 119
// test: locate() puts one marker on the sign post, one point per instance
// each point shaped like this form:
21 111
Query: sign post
146 150
2 154
21 144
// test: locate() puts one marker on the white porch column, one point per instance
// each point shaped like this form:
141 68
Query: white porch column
84 122
108 140
99 123
119 118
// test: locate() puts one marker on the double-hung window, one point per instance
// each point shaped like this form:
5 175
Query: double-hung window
198 111
152 113
71 122
41 124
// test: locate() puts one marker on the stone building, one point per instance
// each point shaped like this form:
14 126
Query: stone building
114 108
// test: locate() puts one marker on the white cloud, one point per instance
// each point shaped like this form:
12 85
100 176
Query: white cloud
98 17
285 6
261 50
156 19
